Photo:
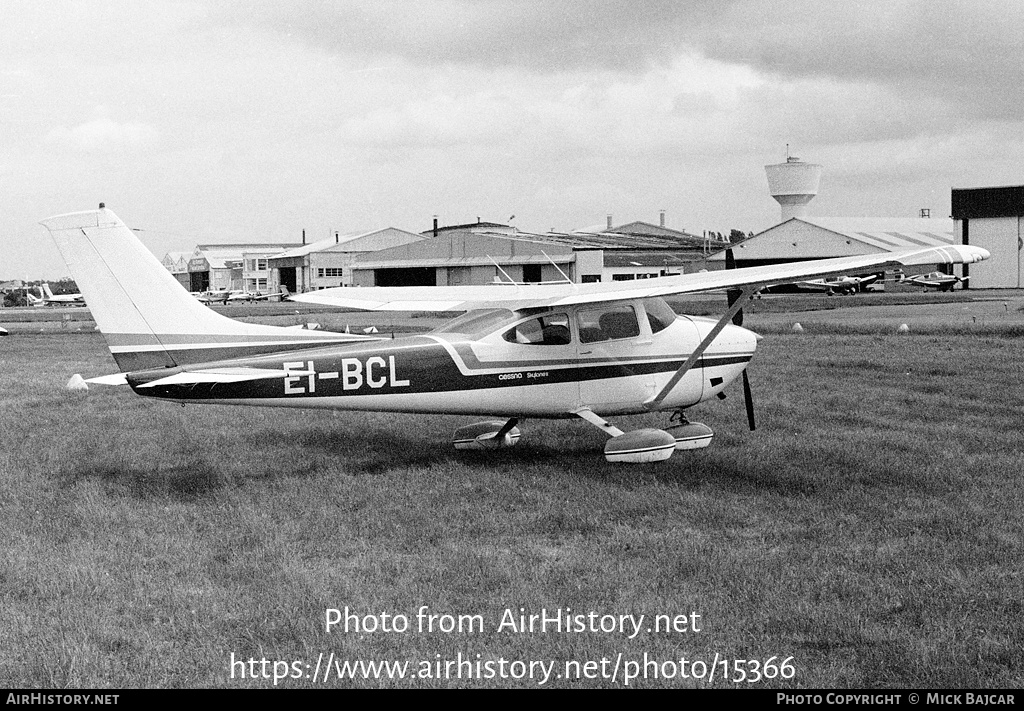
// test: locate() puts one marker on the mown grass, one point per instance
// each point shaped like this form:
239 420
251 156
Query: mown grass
870 529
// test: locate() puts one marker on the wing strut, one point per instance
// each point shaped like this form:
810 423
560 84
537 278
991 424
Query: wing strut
745 295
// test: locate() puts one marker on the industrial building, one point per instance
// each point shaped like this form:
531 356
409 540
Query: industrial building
220 267
329 262
7 287
177 264
992 218
484 252
802 238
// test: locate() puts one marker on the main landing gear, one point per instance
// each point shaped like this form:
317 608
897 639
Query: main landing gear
649 445
636 447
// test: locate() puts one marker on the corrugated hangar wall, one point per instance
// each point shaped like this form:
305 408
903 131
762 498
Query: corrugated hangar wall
993 218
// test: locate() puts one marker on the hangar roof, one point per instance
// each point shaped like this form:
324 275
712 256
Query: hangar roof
647 259
1007 201
224 256
823 237
350 242
889 233
634 235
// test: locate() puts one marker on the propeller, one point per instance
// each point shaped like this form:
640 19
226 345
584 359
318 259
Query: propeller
732 295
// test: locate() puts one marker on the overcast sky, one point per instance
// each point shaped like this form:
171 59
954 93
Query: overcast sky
217 121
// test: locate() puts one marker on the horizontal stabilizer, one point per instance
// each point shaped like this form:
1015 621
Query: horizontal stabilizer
218 375
115 379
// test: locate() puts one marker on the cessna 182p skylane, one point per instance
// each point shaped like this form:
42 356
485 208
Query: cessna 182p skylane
552 351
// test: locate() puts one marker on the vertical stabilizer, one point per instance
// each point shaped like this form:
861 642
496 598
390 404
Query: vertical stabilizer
147 317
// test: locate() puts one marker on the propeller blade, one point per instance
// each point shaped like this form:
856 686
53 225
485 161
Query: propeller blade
748 398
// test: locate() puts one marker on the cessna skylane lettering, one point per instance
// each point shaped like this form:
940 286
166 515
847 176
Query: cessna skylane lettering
560 350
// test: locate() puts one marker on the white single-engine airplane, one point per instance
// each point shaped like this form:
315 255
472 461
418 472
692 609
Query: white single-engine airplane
934 280
226 296
839 285
558 351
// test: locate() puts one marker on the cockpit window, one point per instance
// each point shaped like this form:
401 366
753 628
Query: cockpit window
659 314
478 322
608 324
546 330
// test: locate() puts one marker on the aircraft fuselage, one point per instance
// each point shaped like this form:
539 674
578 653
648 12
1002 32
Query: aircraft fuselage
459 374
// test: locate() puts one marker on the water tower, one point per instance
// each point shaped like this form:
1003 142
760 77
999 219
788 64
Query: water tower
793 184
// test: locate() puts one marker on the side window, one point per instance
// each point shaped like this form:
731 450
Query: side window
608 324
547 330
659 314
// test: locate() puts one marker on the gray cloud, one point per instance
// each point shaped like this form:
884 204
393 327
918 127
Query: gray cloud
967 53
537 35
971 53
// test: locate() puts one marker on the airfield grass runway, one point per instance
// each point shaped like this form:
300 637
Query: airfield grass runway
867 535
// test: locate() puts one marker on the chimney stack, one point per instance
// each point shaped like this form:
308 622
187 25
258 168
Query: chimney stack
661 221
609 222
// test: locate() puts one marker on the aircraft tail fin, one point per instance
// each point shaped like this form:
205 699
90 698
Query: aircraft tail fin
147 317
45 288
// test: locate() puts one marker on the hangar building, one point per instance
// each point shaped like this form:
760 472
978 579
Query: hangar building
799 236
177 264
802 238
329 262
218 267
484 252
992 218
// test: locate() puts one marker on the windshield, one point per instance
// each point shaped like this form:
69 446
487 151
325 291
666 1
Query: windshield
478 322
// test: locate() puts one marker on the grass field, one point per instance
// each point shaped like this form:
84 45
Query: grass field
869 532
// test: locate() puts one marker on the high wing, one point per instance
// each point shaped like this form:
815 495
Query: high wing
465 298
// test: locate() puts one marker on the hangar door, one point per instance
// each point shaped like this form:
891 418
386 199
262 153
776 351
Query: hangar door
288 279
1004 238
409 276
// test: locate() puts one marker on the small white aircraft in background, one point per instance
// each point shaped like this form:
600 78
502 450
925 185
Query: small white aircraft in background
839 285
213 297
934 280
586 351
249 297
61 299
226 296
34 300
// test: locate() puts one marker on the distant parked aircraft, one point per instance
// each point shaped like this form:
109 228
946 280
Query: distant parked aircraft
839 285
249 297
34 300
225 296
62 299
934 280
